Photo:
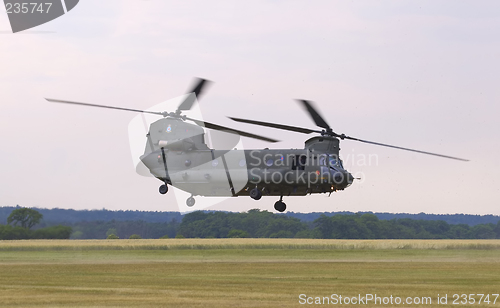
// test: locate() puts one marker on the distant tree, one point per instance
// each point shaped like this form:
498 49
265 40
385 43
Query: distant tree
282 234
307 234
179 236
135 237
26 217
496 229
324 225
54 232
484 231
235 233
460 231
8 232
164 237
111 231
77 235
112 237
256 223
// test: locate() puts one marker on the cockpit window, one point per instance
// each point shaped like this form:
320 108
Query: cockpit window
322 159
335 162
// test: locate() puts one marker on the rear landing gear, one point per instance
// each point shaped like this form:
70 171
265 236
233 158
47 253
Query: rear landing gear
163 189
280 206
255 194
190 201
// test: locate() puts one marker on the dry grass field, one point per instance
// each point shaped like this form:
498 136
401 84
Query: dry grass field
245 272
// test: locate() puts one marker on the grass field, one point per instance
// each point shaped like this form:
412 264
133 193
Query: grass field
244 272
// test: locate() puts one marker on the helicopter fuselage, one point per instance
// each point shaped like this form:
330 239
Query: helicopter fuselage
181 158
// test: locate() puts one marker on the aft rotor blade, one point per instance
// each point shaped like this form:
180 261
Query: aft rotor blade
197 90
101 106
400 148
314 114
231 130
279 126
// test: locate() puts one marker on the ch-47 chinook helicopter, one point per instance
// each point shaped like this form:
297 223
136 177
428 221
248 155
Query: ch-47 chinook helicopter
176 153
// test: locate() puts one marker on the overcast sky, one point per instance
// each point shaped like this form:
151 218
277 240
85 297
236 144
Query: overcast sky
419 74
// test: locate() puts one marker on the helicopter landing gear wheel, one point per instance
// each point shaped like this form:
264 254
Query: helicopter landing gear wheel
190 201
255 194
280 206
163 189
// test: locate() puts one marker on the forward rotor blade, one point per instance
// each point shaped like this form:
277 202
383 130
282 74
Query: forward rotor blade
101 106
400 148
279 126
197 90
314 114
231 130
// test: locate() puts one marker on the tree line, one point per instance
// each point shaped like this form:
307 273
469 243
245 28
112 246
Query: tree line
257 223
368 226
453 219
70 216
26 223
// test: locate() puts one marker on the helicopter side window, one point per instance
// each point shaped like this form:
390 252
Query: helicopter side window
299 162
322 160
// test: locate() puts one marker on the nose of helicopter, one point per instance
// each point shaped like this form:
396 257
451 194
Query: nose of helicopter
341 179
349 178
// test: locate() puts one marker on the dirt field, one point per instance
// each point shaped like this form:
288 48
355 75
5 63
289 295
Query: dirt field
247 273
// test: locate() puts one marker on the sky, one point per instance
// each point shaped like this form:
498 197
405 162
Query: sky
418 74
